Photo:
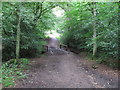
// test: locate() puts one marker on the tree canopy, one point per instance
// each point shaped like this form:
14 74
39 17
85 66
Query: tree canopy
80 25
85 26
88 27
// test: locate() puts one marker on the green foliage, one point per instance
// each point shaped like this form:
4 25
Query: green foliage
35 22
78 28
24 61
8 81
11 71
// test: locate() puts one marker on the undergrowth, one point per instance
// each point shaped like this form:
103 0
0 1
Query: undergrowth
102 59
12 71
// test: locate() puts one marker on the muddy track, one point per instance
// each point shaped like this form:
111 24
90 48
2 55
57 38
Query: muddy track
63 71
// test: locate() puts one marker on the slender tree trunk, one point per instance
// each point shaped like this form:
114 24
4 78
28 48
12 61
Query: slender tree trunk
68 18
118 38
67 9
18 35
94 29
1 35
38 13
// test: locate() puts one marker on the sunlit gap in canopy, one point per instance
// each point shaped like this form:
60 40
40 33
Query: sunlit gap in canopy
59 13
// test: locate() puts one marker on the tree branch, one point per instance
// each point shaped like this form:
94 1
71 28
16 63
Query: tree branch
48 8
42 11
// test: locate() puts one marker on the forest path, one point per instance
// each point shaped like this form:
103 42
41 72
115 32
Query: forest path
63 70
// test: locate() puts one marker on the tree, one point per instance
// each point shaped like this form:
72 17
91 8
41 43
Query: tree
18 32
118 29
33 19
94 29
0 19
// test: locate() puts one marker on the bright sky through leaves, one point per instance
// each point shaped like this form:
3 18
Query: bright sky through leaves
58 11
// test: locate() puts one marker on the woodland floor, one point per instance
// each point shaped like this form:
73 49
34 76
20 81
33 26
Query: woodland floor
67 71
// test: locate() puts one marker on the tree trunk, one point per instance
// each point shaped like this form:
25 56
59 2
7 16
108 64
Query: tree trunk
68 18
18 35
94 29
118 34
0 35
38 13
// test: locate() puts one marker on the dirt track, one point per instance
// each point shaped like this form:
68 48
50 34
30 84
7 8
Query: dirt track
63 71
